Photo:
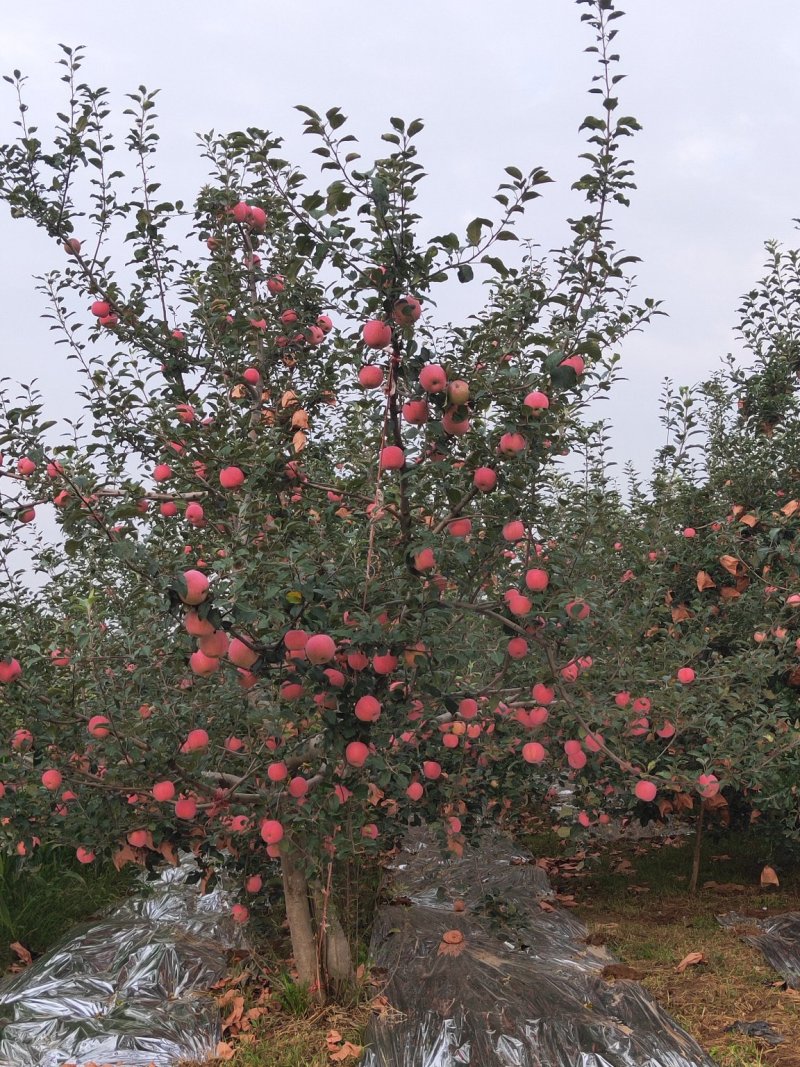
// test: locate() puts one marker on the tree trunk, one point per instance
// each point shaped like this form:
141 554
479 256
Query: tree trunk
335 948
301 927
698 844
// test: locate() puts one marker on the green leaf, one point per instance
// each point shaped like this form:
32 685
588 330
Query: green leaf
474 230
465 272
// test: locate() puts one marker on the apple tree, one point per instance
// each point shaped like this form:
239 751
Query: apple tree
307 562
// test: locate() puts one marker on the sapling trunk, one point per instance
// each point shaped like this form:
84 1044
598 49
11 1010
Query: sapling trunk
698 845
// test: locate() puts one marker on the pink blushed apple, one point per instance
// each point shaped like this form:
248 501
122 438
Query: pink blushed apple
376 333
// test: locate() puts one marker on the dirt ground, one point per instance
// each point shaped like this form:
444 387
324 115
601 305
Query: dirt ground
633 899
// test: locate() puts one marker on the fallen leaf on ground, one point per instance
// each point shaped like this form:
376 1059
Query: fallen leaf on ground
347 1050
692 960
224 1051
19 950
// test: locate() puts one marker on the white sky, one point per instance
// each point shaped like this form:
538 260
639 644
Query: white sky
716 84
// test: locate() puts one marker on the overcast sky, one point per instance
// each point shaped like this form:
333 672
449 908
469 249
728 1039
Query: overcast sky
716 84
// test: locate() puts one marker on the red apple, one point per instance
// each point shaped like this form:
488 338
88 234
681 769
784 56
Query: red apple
320 648
196 587
52 779
163 791
367 709
433 378
533 752
511 444
231 477
376 333
645 791
241 654
356 753
406 310
484 479
370 376
537 402
416 412
196 741
537 580
392 458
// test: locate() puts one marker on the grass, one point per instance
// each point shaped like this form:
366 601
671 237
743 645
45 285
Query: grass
632 896
301 1042
42 896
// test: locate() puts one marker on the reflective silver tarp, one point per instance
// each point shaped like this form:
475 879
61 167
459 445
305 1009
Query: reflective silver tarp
522 989
777 936
127 989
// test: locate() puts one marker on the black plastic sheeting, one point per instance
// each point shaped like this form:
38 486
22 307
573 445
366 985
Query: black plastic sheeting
125 989
523 989
777 936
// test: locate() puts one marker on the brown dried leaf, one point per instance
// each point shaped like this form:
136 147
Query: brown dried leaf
380 1005
692 960
705 581
769 876
729 593
455 846
125 855
167 850
232 1020
725 888
20 951
347 1050
299 441
731 564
